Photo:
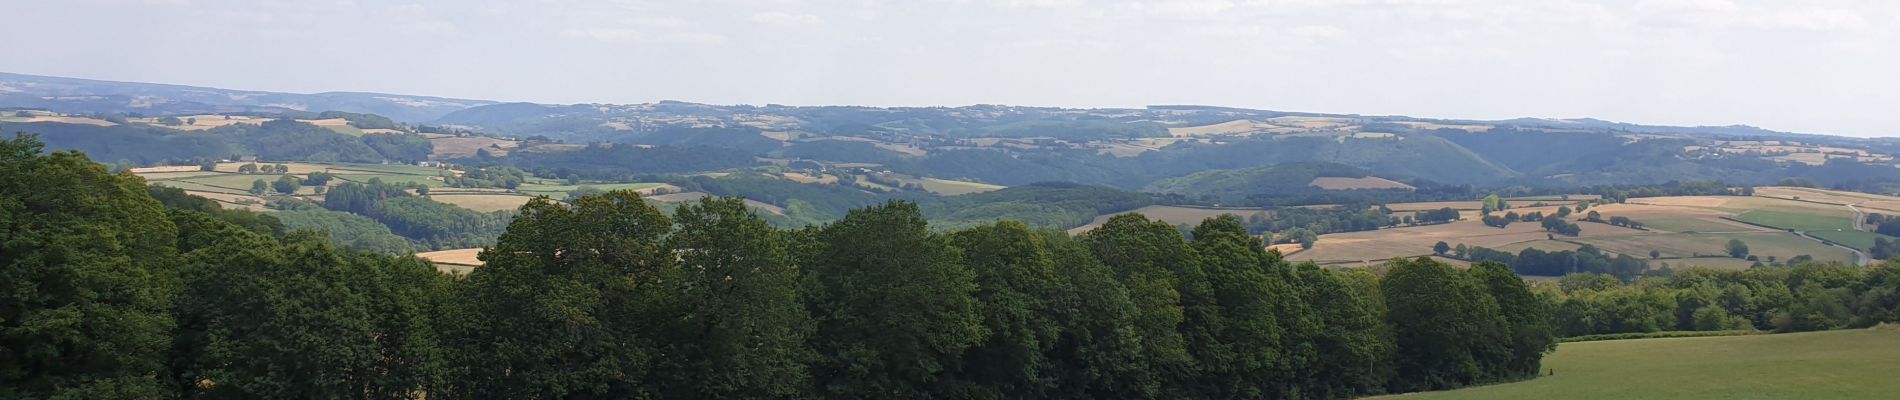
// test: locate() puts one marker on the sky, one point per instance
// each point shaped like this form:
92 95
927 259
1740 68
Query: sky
1816 66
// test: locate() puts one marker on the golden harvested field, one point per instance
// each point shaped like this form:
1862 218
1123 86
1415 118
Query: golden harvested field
65 120
160 176
455 262
948 187
168 168
1235 127
1370 182
483 202
1174 215
801 177
1870 202
463 147
1436 126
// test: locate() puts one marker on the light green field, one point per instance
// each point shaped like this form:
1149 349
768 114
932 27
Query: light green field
1690 225
1801 221
1782 245
429 181
1856 364
560 191
233 181
194 186
384 168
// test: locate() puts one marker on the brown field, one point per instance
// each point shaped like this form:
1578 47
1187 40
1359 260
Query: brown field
1370 182
204 121
483 202
1470 205
462 147
382 131
801 177
1172 214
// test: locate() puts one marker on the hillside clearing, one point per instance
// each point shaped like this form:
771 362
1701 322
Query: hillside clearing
483 202
1366 183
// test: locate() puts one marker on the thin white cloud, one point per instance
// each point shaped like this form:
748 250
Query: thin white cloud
785 18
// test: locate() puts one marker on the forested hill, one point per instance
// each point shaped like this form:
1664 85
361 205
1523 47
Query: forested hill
85 96
1131 149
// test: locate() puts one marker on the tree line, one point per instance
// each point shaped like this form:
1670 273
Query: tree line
117 294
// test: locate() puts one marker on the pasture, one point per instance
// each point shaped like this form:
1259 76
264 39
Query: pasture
1685 230
1851 364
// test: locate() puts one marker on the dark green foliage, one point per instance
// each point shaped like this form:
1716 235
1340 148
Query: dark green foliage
743 328
1355 346
286 184
1262 339
346 229
1015 276
568 304
1236 184
1449 329
85 278
1051 205
401 148
1097 355
299 319
429 223
895 308
1528 317
622 162
1147 257
840 151
503 177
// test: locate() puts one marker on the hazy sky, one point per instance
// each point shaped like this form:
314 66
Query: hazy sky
1808 66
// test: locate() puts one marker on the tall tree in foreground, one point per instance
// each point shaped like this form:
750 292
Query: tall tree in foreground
1355 345
85 285
894 307
1144 256
1015 284
1448 328
742 328
1259 355
1528 317
1099 354
569 303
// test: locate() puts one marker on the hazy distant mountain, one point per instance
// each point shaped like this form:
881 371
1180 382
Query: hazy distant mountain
82 96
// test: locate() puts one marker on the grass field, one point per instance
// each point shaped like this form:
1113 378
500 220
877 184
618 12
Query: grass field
1782 245
1856 364
560 191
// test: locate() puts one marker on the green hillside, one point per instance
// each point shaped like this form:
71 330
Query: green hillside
1856 364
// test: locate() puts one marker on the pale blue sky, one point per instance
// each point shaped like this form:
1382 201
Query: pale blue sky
1824 66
